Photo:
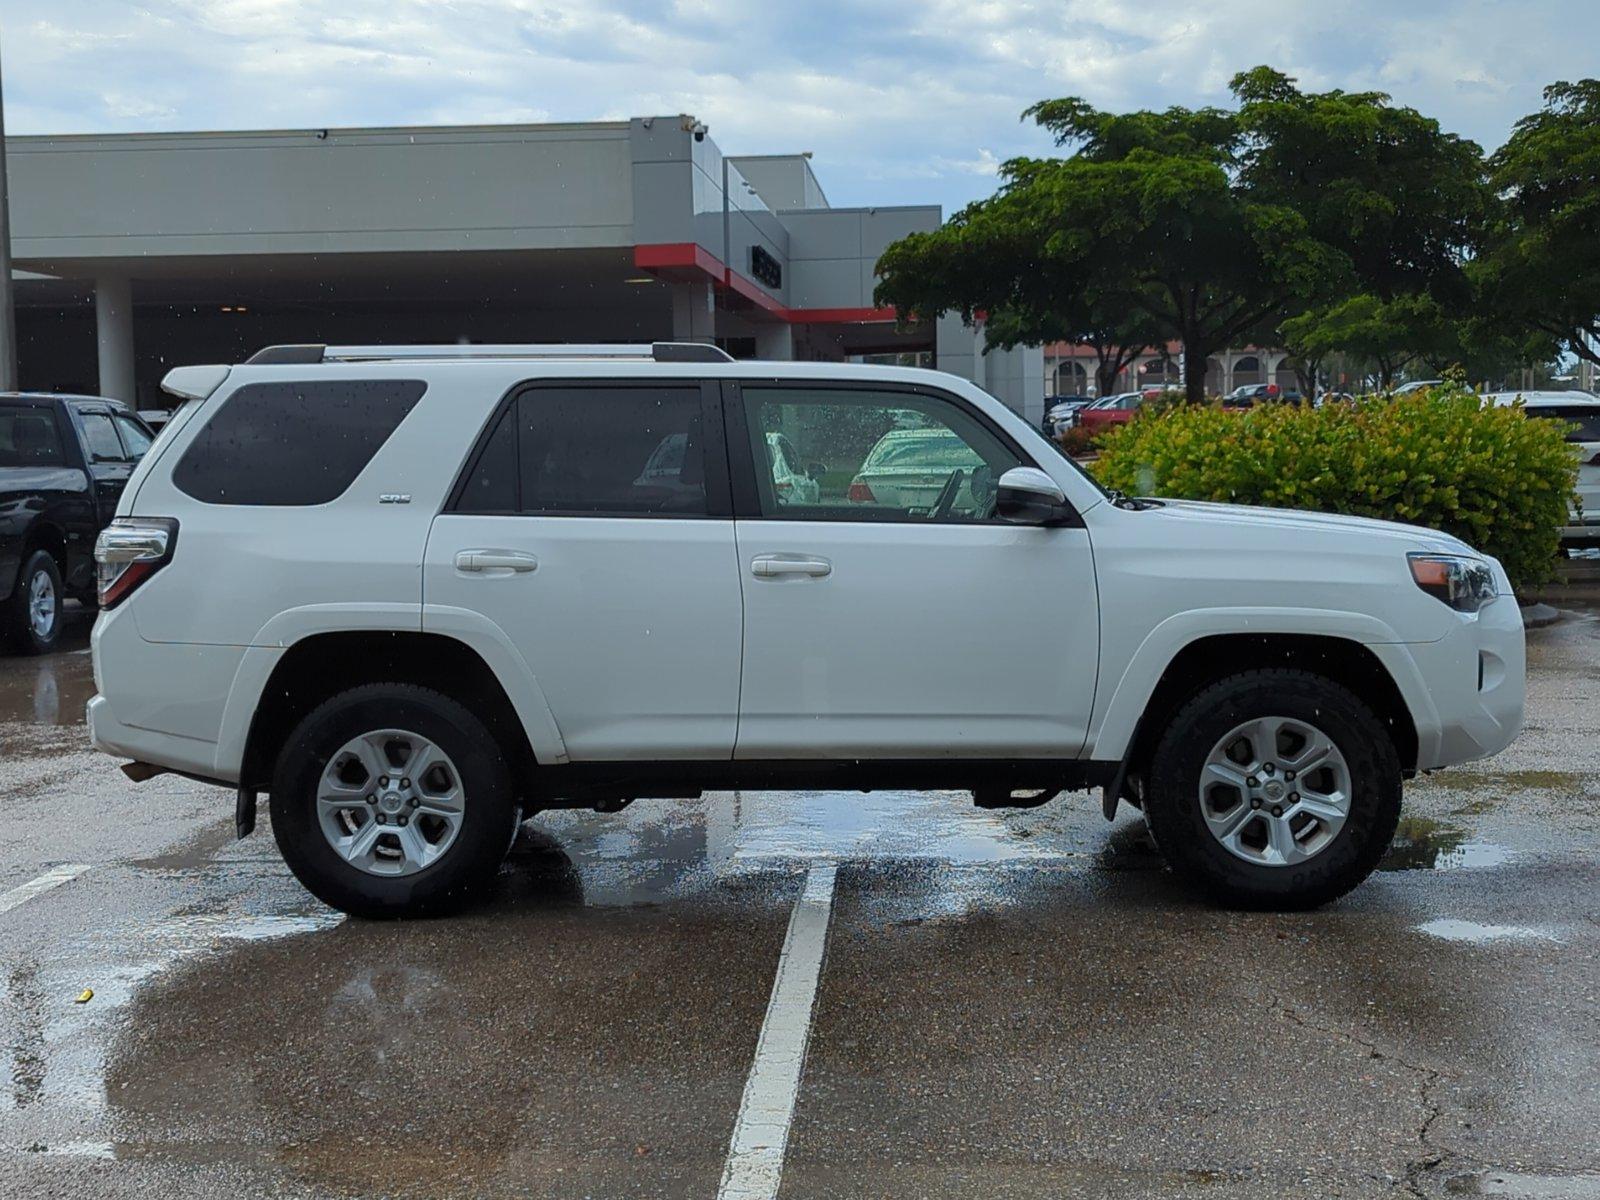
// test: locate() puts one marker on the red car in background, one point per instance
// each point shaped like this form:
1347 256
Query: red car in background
1111 410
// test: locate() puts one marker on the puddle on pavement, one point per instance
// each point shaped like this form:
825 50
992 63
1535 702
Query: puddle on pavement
1474 933
658 850
1423 844
51 690
58 1049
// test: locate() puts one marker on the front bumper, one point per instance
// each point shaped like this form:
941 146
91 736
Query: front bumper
1475 678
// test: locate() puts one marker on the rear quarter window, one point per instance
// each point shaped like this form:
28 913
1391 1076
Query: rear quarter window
287 444
29 437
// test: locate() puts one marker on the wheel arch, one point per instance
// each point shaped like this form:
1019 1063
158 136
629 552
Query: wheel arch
1205 659
45 534
322 665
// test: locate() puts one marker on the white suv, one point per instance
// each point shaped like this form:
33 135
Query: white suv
417 594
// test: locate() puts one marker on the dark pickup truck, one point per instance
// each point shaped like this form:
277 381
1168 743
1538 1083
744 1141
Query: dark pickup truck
64 461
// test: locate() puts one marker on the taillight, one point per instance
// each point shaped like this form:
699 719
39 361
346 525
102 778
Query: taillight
129 551
860 493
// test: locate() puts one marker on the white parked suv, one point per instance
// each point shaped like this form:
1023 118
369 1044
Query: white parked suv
417 594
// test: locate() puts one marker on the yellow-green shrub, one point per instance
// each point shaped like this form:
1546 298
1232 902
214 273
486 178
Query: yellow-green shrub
1492 477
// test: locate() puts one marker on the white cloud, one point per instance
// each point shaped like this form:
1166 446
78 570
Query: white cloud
901 100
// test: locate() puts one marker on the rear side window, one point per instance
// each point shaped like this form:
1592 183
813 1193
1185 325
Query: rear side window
29 438
1583 419
596 452
278 444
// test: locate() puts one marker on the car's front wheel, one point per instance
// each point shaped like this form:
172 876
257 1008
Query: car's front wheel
1274 789
393 800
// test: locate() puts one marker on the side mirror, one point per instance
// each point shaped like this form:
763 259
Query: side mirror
1027 496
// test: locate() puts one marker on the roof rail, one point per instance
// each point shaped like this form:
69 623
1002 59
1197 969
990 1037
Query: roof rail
679 352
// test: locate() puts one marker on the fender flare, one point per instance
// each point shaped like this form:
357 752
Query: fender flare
1112 729
471 629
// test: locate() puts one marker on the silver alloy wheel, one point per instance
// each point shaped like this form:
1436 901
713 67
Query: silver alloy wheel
1275 791
390 802
42 605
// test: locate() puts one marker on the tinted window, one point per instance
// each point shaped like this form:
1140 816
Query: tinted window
293 443
885 456
134 436
492 486
29 438
99 438
1584 419
611 451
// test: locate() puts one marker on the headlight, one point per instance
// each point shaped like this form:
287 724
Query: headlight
1465 584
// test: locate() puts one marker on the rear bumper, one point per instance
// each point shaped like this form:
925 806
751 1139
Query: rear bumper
161 703
188 756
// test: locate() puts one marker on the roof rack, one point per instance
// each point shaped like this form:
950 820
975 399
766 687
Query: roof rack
680 352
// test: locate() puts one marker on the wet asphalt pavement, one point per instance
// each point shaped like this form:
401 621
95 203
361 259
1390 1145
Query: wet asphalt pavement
1011 1004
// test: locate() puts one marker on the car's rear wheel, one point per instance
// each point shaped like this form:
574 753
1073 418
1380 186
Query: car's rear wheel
33 619
393 800
1274 789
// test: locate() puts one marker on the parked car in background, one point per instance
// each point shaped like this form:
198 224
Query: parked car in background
1581 412
1416 385
418 597
64 461
1113 410
1058 413
922 471
1251 394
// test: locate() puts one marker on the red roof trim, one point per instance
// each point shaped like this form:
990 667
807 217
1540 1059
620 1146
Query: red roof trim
678 260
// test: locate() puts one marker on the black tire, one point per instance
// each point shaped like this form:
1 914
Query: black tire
20 634
1173 805
489 820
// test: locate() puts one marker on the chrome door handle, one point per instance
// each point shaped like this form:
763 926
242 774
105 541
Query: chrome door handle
490 560
769 565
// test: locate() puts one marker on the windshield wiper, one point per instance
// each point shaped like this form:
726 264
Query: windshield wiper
1133 503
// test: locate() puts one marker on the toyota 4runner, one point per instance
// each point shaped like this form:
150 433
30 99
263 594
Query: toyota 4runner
416 594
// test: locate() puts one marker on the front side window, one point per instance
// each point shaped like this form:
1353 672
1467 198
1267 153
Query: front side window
134 436
286 444
100 438
29 437
593 451
835 454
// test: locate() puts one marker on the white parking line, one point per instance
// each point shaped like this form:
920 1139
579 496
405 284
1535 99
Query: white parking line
755 1155
52 878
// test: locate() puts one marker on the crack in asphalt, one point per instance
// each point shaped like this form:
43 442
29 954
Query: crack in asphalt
1431 1157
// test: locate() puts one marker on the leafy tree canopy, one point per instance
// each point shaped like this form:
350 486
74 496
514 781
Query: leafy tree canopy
1543 268
1150 208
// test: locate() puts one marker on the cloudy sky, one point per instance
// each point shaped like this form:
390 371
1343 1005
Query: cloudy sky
902 100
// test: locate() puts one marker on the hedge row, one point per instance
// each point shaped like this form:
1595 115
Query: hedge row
1492 477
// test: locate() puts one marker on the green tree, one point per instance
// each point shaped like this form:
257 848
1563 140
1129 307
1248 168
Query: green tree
1390 334
1149 206
1542 270
1402 199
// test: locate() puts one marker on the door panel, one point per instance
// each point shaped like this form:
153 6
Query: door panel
631 626
595 528
941 641
890 619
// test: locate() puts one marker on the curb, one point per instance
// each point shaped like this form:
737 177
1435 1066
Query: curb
1538 614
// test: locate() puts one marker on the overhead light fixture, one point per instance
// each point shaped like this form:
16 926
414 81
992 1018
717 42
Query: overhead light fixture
641 279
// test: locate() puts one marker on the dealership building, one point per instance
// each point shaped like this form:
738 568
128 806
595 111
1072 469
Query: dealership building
138 252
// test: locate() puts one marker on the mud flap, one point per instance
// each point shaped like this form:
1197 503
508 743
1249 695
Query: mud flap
244 812
1111 794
